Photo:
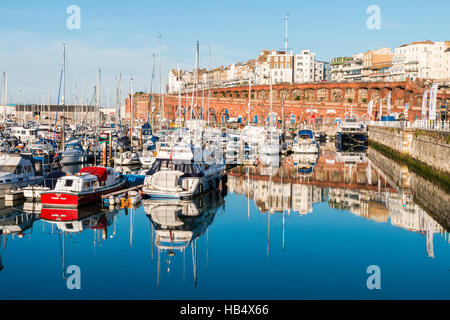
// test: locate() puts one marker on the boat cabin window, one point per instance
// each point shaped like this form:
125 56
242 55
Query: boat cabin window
87 184
18 169
68 183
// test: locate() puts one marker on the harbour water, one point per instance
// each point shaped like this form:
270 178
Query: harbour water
296 232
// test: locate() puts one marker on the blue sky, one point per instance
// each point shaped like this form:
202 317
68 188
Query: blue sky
121 36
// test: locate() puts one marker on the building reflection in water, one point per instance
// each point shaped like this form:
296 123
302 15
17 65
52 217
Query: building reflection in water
177 224
346 180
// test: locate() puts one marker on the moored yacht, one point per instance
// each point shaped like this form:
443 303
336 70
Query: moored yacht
182 171
85 187
305 142
351 132
17 171
74 153
127 158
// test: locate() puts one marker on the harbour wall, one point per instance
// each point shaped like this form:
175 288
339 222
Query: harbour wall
423 147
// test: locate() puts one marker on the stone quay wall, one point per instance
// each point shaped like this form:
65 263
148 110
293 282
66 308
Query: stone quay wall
428 147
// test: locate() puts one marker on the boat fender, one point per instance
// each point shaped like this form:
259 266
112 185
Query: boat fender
210 185
125 203
200 188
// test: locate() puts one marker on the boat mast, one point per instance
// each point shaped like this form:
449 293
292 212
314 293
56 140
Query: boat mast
151 92
249 98
64 83
179 99
197 76
209 80
4 91
99 122
131 112
160 83
63 98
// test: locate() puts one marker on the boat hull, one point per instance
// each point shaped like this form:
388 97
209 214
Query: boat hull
200 186
346 140
74 199
73 159
6 187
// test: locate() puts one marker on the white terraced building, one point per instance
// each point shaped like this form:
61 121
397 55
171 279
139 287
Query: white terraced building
424 60
274 64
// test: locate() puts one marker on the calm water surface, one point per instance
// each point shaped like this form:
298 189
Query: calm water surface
308 230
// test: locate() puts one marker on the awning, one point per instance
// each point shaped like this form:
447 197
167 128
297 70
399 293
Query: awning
100 172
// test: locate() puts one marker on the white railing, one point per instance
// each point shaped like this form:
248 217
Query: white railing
417 124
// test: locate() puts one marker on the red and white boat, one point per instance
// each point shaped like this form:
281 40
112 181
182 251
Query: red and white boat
85 187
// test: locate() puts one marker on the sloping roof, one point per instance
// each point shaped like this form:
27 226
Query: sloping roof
100 172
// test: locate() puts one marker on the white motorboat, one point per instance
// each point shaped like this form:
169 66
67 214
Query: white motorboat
34 192
305 142
127 158
74 153
182 171
17 171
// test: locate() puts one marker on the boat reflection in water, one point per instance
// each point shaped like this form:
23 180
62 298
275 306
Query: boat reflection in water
178 224
87 218
14 222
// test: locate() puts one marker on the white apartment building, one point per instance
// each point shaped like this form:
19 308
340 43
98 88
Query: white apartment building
276 65
424 60
306 68
353 69
175 82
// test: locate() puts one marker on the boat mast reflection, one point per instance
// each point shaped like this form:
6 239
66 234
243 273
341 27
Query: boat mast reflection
178 224
89 218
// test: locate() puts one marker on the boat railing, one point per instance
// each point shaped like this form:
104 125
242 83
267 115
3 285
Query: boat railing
433 125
